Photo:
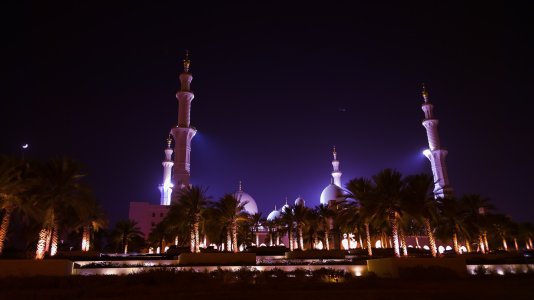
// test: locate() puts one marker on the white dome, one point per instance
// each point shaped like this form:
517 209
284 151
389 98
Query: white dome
332 192
300 201
275 214
250 206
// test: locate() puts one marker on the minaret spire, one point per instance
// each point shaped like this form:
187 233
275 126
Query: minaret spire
183 133
336 174
165 188
435 153
240 186
187 62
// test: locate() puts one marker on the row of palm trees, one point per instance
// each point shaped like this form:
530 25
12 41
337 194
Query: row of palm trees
50 195
385 207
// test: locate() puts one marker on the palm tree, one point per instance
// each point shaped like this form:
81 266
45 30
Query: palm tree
502 225
159 234
325 216
57 193
126 231
299 213
231 212
256 220
362 190
288 220
89 217
192 200
13 185
312 226
418 201
452 221
177 224
388 187
475 208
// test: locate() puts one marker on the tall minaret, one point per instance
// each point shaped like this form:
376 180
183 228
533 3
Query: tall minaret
165 188
435 154
183 133
336 174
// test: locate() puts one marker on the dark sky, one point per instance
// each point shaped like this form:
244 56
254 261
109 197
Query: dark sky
276 86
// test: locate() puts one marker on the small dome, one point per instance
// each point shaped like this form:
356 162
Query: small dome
275 214
300 201
332 192
250 206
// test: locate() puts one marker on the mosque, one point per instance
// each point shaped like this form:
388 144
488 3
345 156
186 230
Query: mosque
177 167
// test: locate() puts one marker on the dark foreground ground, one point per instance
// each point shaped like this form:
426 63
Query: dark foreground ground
230 286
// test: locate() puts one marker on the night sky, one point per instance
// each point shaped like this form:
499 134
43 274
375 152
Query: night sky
276 86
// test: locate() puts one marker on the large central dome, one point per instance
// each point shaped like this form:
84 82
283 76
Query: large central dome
332 192
250 207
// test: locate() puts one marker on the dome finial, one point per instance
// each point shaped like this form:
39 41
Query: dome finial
275 207
169 141
286 200
334 153
331 180
240 186
425 93
187 62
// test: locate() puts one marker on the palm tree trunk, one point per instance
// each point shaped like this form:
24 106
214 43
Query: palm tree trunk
360 239
290 235
417 242
41 244
234 237
403 242
326 237
485 235
431 240
468 245
176 241
228 239
301 238
197 237
504 244
516 245
455 243
257 238
368 239
192 242
4 227
86 238
394 232
530 242
48 238
481 244
53 247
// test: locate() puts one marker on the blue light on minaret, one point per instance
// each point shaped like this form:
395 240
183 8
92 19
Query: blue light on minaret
165 188
436 154
183 133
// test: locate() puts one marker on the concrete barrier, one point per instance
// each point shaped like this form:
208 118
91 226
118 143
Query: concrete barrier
248 259
406 266
28 267
316 254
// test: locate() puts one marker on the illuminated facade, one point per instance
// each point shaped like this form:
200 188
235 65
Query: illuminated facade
183 133
436 154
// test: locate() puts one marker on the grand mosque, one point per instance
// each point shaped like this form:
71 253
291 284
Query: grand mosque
177 167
